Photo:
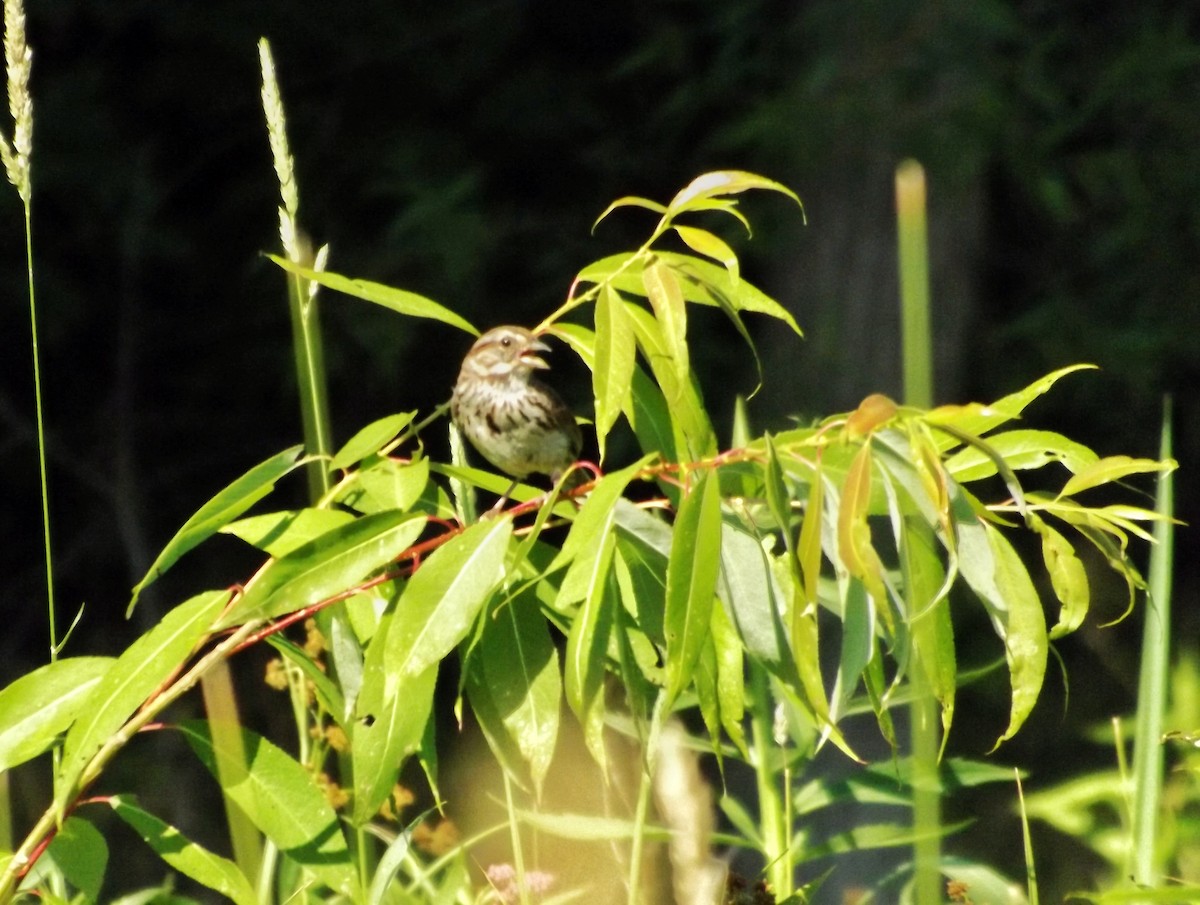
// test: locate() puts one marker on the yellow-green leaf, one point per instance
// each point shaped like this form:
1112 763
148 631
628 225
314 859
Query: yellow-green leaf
616 356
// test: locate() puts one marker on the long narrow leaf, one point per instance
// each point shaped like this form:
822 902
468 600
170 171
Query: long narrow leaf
280 797
692 579
330 564
128 682
220 511
192 860
442 599
40 705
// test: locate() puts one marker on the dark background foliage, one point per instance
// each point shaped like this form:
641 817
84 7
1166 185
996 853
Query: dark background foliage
463 150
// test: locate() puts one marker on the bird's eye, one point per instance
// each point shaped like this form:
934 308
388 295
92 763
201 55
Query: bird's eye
506 341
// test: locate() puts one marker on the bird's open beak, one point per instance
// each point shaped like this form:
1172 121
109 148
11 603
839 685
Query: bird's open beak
530 357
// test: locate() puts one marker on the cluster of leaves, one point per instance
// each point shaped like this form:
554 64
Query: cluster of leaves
670 574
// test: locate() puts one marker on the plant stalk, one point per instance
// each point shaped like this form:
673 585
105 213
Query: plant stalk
917 357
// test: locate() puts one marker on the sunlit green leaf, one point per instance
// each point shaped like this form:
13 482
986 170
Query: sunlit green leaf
705 243
587 643
692 579
592 523
858 641
978 419
279 533
855 547
208 869
1067 576
387 484
1020 449
390 718
80 852
401 301
731 679
725 182
330 564
929 614
1109 469
220 511
996 574
648 413
682 397
666 298
698 280
280 797
327 692
40 705
128 682
518 665
616 357
370 439
631 201
443 597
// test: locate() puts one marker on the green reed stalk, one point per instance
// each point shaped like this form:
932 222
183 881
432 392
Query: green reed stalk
1152 700
917 358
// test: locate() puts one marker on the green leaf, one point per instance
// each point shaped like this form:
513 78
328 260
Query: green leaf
328 565
692 580
648 413
705 243
855 548
808 547
631 201
700 279
443 597
666 298
40 705
753 598
1020 449
996 574
682 397
220 511
216 873
929 614
81 853
391 714
616 357
1112 468
720 183
126 685
279 533
399 300
280 797
594 521
327 692
979 419
515 674
731 679
1067 576
387 484
370 439
858 641
587 643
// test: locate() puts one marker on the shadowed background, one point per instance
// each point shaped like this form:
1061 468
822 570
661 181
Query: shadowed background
464 152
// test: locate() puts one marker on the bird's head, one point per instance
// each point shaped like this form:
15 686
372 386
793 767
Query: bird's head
506 352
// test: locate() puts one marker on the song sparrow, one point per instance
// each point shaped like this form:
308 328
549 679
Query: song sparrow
516 422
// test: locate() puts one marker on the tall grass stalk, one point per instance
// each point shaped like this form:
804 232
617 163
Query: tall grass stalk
1146 867
17 156
917 362
307 345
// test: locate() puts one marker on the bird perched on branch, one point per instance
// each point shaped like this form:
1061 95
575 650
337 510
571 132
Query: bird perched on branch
514 420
